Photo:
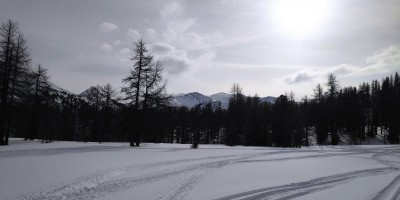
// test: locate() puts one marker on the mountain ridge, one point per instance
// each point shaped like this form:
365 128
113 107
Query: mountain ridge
192 99
188 100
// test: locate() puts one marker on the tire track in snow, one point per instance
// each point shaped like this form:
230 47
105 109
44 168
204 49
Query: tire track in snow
391 152
109 181
189 183
199 170
90 181
105 175
185 186
321 155
391 191
291 191
294 190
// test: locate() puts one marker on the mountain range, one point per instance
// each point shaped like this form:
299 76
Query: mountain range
194 98
188 100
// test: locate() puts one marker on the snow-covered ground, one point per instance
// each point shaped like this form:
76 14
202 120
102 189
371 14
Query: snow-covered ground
72 170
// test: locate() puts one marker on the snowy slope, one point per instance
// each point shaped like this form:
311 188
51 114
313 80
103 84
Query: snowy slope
192 99
54 87
71 170
222 97
87 95
61 94
87 91
268 99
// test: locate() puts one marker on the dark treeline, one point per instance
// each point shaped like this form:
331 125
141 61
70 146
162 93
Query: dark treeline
329 117
32 108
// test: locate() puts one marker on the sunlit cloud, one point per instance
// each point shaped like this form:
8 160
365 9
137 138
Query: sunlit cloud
382 62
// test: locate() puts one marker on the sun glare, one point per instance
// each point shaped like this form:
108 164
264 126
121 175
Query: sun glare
300 17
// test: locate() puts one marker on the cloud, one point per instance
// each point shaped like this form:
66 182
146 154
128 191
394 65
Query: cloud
170 35
298 78
178 47
174 43
150 35
176 23
171 9
117 42
175 64
175 61
177 28
382 62
124 51
133 35
107 27
182 25
387 60
124 54
106 47
161 49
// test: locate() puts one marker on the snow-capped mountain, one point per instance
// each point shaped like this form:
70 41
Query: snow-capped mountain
190 99
194 98
268 99
55 88
88 93
60 94
223 98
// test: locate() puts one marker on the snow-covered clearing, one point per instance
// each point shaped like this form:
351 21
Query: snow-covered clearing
73 170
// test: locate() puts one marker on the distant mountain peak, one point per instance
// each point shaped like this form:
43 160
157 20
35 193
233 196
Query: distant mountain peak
59 89
192 99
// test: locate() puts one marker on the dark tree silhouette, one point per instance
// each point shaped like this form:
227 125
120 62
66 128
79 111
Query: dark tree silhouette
333 89
144 88
40 96
8 31
235 117
108 94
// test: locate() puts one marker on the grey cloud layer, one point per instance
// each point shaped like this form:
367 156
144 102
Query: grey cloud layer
207 45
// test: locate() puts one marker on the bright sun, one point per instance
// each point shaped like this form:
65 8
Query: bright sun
300 17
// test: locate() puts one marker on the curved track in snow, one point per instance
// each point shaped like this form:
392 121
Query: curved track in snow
291 191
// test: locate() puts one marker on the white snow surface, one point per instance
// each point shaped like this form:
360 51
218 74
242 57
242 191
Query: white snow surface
74 170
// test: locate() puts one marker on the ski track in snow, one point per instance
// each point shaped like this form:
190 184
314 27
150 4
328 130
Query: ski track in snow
291 191
115 180
390 192
106 182
87 182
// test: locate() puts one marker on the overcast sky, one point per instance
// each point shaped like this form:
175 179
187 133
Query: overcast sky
268 47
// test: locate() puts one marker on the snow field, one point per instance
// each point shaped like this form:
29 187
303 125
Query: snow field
72 170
